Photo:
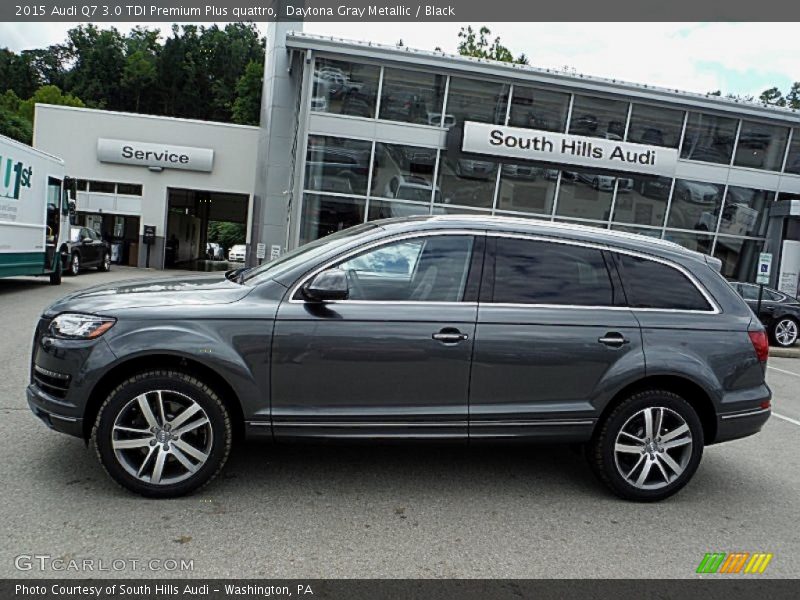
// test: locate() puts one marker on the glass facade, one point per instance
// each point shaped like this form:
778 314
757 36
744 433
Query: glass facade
349 181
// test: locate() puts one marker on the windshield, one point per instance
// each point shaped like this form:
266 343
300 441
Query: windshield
307 252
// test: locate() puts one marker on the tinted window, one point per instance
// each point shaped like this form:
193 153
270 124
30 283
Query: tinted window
709 138
793 159
655 126
412 97
650 284
538 109
475 100
528 272
429 269
599 117
761 146
338 165
345 88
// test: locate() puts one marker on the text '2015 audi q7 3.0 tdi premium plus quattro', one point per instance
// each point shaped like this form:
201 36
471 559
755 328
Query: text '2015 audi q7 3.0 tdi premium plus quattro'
424 328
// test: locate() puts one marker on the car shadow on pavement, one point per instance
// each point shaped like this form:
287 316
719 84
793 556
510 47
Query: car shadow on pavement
11 286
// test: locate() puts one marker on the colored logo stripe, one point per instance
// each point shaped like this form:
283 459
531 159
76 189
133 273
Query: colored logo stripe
758 563
720 562
711 562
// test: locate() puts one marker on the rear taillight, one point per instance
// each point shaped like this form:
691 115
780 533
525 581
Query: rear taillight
760 344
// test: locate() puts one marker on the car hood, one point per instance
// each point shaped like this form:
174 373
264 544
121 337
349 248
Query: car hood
140 293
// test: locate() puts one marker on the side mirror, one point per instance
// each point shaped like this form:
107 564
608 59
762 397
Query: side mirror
328 285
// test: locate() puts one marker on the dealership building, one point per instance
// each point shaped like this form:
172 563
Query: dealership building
355 131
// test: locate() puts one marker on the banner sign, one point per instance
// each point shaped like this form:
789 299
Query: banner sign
161 156
516 143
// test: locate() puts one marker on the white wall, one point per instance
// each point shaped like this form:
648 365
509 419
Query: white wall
72 133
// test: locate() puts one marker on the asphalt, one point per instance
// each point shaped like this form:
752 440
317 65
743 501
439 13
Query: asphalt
387 511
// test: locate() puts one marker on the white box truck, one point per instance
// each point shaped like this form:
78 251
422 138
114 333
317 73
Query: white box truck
34 211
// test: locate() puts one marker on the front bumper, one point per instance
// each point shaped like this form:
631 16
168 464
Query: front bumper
46 408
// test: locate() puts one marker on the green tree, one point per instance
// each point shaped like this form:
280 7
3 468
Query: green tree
773 97
477 45
793 96
98 61
14 126
138 75
226 234
247 106
48 94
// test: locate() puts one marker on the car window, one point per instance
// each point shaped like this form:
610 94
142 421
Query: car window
425 269
75 234
749 292
533 272
651 284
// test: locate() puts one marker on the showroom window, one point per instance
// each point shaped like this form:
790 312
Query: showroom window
642 201
699 242
654 233
345 88
426 269
598 117
337 165
527 188
739 257
651 284
587 195
412 96
535 108
709 138
793 159
655 126
695 205
385 209
324 215
466 182
761 146
403 172
745 212
475 100
529 272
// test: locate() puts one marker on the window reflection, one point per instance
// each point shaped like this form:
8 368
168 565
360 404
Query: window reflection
709 138
344 88
695 205
745 212
739 257
467 182
475 100
324 215
337 165
598 117
793 160
412 96
655 126
653 233
693 241
587 195
382 209
645 203
526 188
403 172
539 109
761 146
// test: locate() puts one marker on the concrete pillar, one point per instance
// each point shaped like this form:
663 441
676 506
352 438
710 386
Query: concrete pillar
279 114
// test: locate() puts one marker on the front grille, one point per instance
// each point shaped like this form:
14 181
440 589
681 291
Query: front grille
55 384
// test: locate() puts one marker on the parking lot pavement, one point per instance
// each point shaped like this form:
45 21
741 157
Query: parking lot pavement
394 511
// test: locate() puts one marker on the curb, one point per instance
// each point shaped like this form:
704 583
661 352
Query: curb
793 352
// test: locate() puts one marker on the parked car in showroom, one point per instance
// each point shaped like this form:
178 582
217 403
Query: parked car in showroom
779 312
85 249
437 328
237 253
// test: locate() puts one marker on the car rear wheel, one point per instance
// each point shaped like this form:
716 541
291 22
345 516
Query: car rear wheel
784 332
162 434
105 264
74 264
648 447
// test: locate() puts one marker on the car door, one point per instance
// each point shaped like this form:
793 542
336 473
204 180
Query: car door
393 359
98 248
88 249
554 339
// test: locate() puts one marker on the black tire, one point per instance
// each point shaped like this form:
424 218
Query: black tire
784 331
105 262
55 276
604 460
74 267
123 399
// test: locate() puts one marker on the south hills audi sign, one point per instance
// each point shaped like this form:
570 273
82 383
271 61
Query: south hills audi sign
545 146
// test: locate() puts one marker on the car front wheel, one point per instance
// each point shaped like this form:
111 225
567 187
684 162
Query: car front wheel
162 434
74 264
105 264
648 447
784 332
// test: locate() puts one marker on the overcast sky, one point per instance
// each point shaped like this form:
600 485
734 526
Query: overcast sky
741 58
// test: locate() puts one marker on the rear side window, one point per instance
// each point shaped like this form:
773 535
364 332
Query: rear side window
651 284
533 272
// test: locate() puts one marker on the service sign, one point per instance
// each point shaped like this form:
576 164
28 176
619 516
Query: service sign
165 156
595 153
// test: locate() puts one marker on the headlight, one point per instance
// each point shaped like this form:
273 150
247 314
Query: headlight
73 326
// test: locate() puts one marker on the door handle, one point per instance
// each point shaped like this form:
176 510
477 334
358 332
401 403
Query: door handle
450 336
613 340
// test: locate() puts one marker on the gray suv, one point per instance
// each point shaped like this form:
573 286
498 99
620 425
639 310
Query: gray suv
427 328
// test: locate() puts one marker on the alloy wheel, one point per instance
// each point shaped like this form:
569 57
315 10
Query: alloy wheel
653 448
162 437
786 332
75 265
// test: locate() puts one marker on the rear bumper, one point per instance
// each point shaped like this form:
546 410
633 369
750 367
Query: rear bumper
45 407
732 426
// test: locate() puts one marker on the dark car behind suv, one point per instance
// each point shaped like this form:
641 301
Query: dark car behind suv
779 312
428 328
85 249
